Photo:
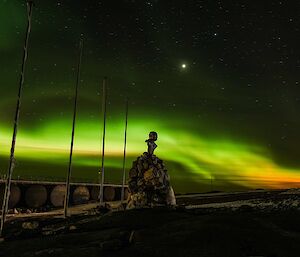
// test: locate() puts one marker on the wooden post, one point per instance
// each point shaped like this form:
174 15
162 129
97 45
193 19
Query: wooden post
124 153
67 195
16 120
104 103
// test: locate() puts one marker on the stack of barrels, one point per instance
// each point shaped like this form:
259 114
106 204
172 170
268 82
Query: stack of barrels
36 196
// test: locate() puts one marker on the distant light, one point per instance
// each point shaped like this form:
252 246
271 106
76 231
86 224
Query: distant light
183 66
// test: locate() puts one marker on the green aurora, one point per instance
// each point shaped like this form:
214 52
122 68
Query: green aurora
192 159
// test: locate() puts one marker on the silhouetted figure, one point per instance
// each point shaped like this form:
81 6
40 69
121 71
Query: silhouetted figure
151 142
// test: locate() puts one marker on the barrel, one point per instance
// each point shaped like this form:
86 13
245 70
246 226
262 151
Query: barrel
95 193
109 193
36 196
126 193
14 197
57 196
81 195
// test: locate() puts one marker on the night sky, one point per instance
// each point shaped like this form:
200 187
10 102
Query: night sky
218 80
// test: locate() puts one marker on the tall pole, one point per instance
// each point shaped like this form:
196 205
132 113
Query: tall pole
67 195
104 100
16 120
124 153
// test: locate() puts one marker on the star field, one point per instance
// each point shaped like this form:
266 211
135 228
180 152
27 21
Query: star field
215 70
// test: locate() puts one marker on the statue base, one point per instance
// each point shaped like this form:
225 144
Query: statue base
149 183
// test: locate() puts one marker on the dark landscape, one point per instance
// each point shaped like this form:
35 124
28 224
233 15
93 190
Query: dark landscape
257 223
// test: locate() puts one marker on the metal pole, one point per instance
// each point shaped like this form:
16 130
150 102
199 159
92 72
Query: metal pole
103 140
124 155
67 195
16 120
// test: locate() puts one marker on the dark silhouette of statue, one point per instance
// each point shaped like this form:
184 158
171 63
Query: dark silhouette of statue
151 142
149 181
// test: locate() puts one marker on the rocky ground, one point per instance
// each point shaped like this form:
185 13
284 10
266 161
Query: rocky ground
260 223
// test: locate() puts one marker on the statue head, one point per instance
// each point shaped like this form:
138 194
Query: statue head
153 136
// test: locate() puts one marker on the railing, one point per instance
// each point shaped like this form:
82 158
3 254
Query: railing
203 185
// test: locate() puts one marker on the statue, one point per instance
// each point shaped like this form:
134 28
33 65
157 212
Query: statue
149 182
151 142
